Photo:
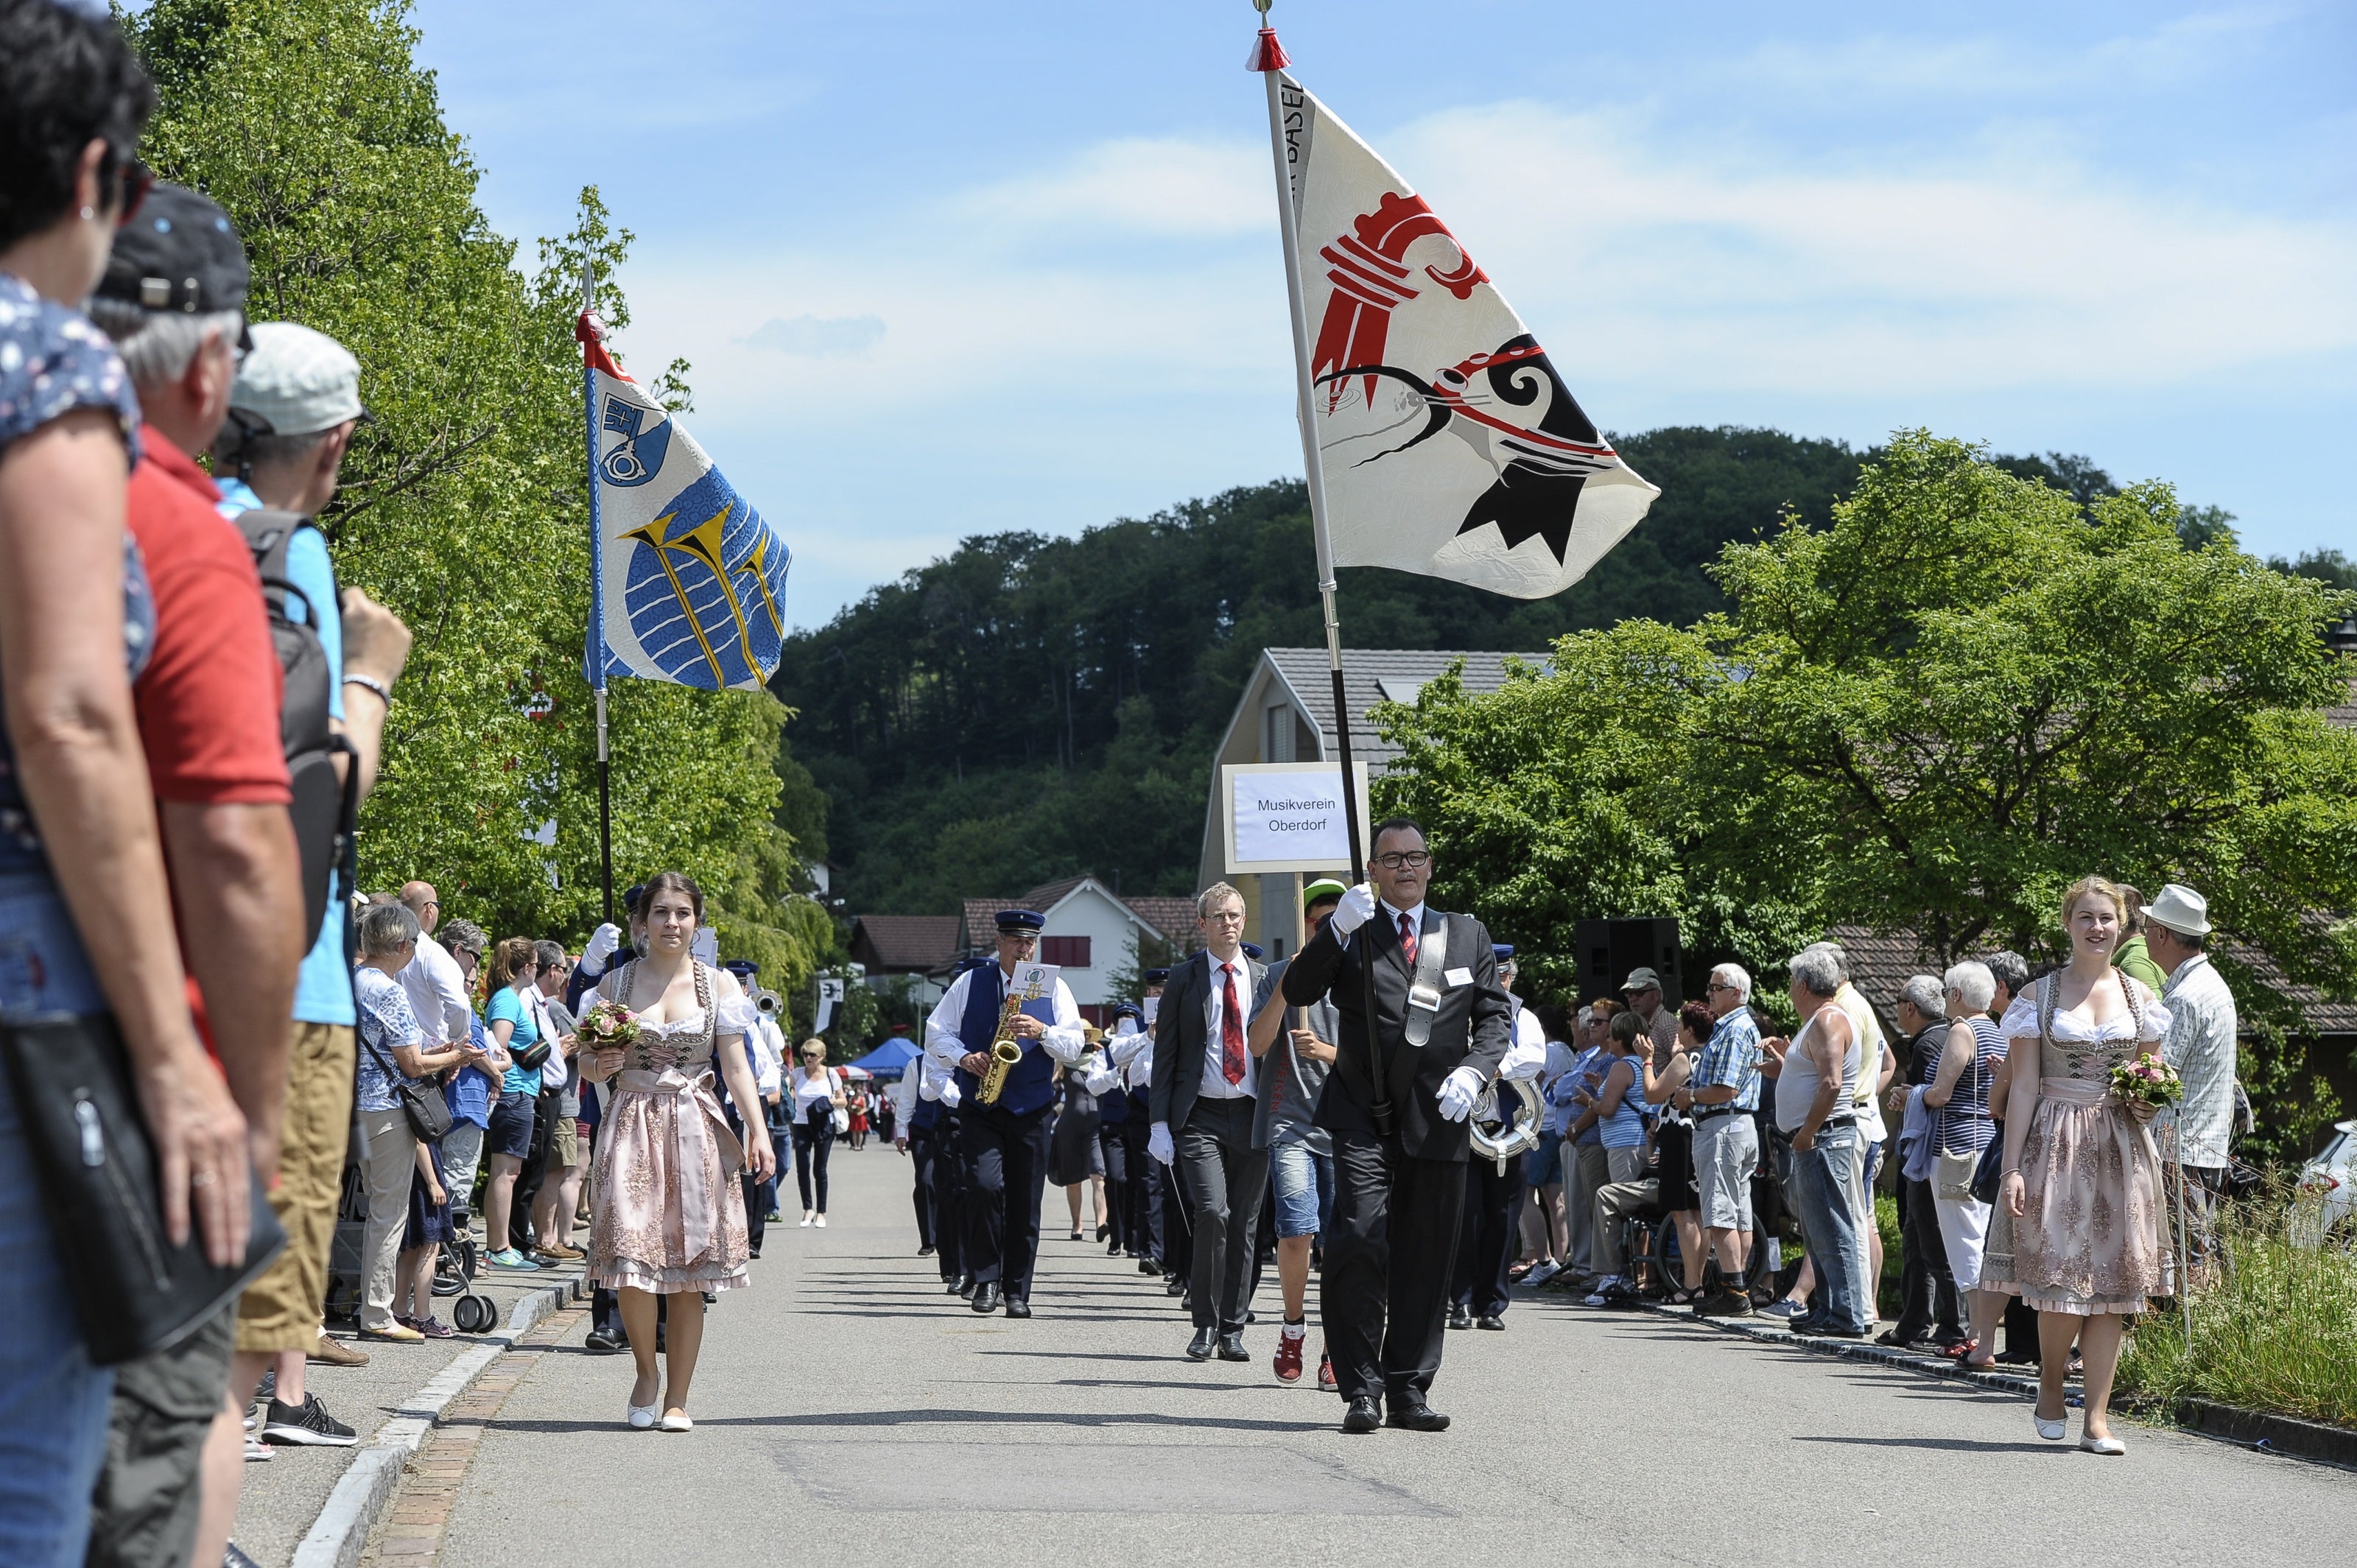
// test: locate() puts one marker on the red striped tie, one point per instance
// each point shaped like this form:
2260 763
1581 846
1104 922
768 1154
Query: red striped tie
1407 940
1232 1029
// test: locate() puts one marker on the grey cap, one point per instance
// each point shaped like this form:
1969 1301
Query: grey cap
296 381
1641 979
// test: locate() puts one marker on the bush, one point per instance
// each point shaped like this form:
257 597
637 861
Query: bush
2278 1333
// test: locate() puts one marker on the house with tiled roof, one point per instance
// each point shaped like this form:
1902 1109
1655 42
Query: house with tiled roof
1286 714
1093 933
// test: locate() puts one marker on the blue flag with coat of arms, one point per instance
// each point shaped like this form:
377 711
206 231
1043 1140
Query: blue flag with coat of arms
688 582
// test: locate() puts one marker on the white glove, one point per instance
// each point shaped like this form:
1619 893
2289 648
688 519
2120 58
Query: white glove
1458 1094
1357 908
1158 1144
604 942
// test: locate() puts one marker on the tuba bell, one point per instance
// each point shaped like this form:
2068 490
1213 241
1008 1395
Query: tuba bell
1497 1132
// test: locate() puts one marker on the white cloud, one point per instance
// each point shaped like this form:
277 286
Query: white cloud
817 337
1152 186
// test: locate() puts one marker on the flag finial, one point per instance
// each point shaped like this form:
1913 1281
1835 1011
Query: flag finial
1267 53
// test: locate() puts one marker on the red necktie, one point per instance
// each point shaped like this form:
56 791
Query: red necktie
1231 1029
1407 940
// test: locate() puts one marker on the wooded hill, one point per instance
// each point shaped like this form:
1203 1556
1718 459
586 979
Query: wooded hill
1032 707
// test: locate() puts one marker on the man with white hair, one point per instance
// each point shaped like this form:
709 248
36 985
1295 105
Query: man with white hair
1816 1095
1726 1093
1927 1289
2203 1023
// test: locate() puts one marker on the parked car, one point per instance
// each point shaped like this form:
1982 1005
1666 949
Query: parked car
2328 1187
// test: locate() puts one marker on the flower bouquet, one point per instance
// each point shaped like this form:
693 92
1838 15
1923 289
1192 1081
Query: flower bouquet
608 1027
2144 1085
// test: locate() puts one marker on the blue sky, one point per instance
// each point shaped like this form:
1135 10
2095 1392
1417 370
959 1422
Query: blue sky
945 268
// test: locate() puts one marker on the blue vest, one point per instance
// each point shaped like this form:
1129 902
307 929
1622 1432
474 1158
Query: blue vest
1031 1082
922 1116
1113 1106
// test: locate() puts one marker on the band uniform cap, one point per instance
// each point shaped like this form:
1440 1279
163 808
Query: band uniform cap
181 252
1503 952
1131 1011
1324 887
742 968
1155 977
1020 922
631 895
1252 951
296 381
2182 910
1641 979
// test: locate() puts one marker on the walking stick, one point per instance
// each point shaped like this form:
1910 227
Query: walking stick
2184 1240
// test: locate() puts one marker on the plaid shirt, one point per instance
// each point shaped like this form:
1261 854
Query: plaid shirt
1731 1059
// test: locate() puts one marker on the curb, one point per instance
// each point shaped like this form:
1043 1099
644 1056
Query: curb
338 1536
2282 1436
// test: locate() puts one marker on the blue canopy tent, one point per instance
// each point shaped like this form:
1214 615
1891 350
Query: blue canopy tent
890 1059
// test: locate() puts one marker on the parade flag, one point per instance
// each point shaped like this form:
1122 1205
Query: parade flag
688 584
1448 442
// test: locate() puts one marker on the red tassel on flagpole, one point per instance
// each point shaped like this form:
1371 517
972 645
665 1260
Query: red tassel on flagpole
1267 53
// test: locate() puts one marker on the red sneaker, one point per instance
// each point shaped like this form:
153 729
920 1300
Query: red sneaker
1326 1371
1288 1358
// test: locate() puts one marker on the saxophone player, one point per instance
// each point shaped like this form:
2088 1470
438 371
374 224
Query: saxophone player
1004 1138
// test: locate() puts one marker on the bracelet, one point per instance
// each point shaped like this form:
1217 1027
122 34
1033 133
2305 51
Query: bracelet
371 683
2002 1174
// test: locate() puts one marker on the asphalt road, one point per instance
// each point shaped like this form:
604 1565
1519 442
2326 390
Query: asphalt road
848 1411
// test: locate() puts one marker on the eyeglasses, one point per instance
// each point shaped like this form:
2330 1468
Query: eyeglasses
134 181
1720 986
1404 860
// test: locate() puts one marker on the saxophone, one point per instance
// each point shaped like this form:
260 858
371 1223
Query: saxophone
1005 1052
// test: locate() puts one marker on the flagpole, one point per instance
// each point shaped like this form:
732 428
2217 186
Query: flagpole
1269 59
596 595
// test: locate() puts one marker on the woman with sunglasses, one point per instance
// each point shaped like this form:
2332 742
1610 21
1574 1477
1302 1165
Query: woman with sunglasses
816 1092
92 931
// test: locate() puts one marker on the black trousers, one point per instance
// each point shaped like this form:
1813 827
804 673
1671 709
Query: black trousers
1174 1237
1112 1152
814 1141
1927 1285
949 1195
1486 1246
1145 1236
757 1207
920 1162
1384 1295
1005 1173
535 1169
1223 1177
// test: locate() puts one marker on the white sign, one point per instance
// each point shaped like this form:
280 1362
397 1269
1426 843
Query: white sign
1288 816
1034 982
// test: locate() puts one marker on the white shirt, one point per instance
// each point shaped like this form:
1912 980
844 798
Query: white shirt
769 1057
809 1088
904 1095
1414 918
1530 1045
1215 1084
2200 1047
438 993
552 1072
1063 1041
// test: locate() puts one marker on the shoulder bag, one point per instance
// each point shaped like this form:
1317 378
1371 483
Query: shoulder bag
420 1098
133 1292
1954 1171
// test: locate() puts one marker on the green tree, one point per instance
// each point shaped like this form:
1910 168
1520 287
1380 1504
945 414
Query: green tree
464 505
1931 715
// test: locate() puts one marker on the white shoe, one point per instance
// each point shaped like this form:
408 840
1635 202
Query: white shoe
678 1423
819 1222
642 1416
1542 1273
2052 1431
807 1217
257 1452
2111 1447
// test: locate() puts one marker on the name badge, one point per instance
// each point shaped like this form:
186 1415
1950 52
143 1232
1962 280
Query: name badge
1459 976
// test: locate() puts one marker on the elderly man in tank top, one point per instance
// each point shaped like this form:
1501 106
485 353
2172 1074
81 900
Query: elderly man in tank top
1816 1094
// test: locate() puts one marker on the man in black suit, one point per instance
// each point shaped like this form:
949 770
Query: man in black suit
1204 1079
1396 1105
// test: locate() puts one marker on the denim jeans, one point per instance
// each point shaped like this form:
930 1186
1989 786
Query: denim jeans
1824 1180
1304 1180
53 1402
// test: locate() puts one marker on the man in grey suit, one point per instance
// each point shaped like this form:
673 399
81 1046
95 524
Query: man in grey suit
1204 1081
1397 1103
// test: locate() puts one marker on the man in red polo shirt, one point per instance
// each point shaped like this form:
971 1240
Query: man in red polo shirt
208 705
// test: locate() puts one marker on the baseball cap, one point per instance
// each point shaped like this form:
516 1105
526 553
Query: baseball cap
296 381
181 252
1641 979
1324 887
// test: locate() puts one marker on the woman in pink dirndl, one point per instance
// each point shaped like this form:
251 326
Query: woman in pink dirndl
669 1216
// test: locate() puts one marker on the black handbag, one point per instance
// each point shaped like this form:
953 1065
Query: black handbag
134 1292
1984 1177
420 1099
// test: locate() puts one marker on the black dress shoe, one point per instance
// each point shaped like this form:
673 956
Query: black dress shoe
1362 1415
753 1249
965 1285
1251 1317
1459 1319
1416 1416
1104 1232
1148 1266
926 1251
1231 1347
1112 1249
1490 1320
603 1342
1199 1347
986 1296
1175 1285
1017 1307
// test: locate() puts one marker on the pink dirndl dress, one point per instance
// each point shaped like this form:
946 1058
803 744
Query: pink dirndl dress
667 1213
